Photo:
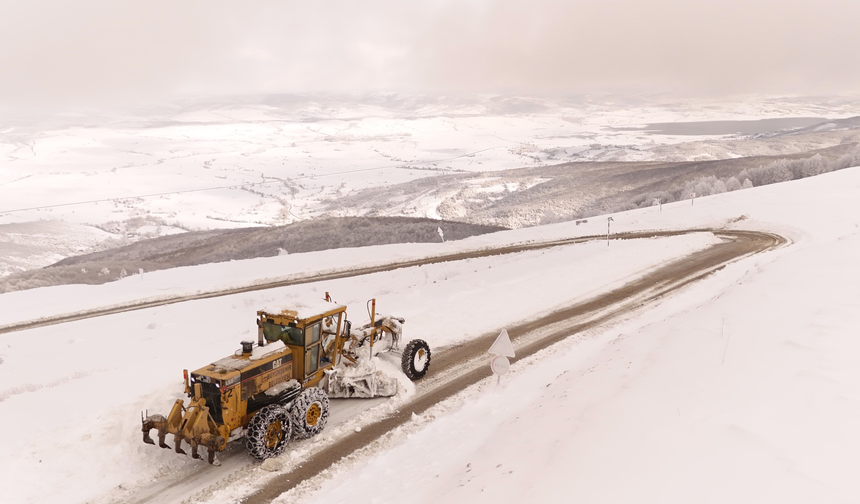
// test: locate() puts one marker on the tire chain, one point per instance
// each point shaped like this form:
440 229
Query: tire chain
407 362
299 409
256 435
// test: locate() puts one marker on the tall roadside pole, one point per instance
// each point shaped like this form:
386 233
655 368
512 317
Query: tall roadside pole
608 220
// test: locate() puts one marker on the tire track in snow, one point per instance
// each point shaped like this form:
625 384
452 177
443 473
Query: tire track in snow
458 367
528 339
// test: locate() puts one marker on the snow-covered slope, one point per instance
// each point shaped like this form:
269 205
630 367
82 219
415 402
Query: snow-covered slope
274 160
741 387
745 388
31 245
232 164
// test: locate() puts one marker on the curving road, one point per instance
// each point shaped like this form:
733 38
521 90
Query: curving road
318 277
454 368
461 366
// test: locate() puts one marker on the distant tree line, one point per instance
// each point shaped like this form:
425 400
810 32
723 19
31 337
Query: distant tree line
781 170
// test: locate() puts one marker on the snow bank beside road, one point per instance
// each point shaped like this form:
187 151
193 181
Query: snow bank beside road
166 284
744 388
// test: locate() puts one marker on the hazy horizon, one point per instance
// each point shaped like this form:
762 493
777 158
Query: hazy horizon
60 54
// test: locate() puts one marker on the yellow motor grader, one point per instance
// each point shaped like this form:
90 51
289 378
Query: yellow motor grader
278 387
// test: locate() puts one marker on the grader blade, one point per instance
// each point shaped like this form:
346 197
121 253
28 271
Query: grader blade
365 385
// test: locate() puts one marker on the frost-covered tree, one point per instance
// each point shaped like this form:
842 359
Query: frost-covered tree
733 184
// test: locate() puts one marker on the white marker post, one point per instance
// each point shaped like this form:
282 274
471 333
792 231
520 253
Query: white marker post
692 199
608 220
501 349
441 234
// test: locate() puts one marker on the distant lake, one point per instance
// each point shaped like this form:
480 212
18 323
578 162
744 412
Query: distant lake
750 127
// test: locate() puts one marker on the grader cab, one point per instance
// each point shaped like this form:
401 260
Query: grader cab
278 387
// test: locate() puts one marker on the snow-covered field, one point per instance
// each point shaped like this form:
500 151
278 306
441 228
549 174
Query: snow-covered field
224 165
742 387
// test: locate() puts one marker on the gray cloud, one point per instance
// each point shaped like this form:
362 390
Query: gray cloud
56 53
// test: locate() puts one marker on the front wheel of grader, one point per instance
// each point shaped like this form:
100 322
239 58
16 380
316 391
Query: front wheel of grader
415 359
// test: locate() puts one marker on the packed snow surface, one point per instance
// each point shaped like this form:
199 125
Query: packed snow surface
102 372
741 387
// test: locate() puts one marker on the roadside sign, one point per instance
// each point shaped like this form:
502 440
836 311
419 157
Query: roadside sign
502 345
500 365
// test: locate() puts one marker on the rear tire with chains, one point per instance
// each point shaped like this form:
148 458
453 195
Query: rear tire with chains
309 413
269 432
416 359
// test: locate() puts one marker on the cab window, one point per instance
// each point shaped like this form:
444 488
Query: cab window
275 332
294 334
312 334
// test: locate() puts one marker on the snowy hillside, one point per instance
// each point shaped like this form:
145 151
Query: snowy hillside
117 178
742 387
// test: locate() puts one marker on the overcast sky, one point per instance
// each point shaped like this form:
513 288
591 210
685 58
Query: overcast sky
84 52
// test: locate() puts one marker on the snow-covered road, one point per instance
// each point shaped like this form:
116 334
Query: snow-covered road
102 372
764 387
464 365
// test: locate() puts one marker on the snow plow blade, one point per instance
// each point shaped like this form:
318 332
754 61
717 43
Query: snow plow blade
366 385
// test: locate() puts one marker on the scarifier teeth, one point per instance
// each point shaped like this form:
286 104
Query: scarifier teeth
157 422
178 446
